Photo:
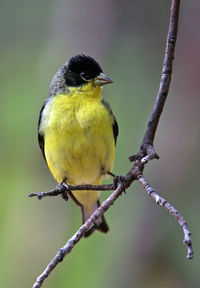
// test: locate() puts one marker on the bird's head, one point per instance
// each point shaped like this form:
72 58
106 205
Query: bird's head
80 71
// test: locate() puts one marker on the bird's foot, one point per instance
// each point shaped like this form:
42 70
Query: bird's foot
118 179
63 188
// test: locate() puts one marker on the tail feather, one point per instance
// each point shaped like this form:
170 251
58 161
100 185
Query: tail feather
100 224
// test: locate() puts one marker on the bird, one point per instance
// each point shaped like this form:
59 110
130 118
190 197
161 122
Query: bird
77 132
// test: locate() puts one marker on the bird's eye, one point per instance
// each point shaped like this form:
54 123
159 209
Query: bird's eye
84 76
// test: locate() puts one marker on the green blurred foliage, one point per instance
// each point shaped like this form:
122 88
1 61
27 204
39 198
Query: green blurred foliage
144 246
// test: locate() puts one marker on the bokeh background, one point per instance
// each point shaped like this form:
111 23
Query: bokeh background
144 246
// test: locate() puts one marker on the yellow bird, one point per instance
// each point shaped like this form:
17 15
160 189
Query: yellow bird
77 131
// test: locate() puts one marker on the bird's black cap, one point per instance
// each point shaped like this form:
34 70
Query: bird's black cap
80 69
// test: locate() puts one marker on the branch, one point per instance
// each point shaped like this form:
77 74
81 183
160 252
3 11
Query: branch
146 153
78 235
62 189
162 202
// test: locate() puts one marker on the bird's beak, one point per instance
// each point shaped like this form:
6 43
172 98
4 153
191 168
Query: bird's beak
102 79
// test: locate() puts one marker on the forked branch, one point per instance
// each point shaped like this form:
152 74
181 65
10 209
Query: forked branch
146 153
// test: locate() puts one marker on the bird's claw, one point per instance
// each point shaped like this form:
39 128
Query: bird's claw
118 179
63 188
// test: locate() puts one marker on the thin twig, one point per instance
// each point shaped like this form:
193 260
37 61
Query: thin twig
171 209
146 153
59 191
78 235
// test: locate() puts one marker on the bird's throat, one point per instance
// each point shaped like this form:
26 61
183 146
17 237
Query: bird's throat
86 91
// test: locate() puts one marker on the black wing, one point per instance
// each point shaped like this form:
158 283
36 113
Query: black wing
115 124
40 135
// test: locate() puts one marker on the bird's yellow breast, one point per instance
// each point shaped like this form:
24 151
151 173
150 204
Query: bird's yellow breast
78 136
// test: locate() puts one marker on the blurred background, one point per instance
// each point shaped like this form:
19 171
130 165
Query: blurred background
144 246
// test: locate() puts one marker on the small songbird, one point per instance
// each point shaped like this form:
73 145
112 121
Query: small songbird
77 131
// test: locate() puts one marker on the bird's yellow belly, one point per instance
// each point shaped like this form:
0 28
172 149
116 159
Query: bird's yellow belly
81 159
79 142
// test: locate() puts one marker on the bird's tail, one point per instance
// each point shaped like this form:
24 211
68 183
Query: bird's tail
100 224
